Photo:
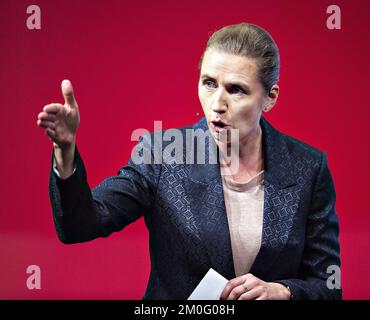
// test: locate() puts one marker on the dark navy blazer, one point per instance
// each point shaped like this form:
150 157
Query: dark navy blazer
184 211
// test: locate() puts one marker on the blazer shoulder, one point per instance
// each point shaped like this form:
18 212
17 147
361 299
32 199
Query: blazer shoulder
299 148
307 161
283 143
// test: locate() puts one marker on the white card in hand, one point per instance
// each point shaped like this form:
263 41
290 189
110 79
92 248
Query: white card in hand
210 287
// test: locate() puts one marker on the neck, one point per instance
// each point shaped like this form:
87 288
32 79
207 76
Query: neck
250 147
250 153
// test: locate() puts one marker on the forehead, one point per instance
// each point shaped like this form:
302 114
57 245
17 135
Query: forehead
219 64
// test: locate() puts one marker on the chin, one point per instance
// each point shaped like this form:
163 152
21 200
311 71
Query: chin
221 138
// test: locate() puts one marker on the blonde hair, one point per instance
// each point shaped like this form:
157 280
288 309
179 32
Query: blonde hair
251 41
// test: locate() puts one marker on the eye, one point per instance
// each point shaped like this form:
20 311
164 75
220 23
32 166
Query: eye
234 89
209 83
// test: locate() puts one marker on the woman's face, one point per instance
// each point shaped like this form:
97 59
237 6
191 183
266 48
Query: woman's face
231 95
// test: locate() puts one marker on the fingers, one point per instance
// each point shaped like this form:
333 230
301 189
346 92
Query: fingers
51 133
248 286
237 292
46 124
231 285
46 119
46 116
53 108
241 285
49 115
67 92
253 294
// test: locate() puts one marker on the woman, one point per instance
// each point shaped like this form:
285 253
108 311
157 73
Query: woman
270 226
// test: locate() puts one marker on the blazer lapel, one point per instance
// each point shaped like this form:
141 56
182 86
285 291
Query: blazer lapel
207 203
281 200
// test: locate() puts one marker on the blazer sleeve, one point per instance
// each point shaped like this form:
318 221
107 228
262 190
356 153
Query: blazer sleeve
321 244
81 214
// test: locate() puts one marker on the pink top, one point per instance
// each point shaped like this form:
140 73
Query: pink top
244 207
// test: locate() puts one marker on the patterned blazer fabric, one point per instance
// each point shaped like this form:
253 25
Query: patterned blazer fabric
184 211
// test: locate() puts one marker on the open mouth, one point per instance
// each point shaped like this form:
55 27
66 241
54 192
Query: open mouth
218 126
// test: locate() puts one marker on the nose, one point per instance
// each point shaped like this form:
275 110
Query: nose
219 104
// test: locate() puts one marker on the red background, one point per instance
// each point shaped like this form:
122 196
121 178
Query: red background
135 62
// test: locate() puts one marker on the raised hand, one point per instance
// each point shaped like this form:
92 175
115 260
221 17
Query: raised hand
61 121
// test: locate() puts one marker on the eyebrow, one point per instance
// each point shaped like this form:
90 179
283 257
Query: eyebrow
237 83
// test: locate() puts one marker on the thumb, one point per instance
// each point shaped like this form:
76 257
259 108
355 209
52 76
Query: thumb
68 95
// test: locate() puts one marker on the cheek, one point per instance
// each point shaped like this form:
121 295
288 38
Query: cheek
204 99
245 115
246 108
240 110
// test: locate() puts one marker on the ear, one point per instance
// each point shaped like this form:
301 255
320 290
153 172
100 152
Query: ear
271 98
